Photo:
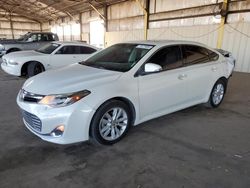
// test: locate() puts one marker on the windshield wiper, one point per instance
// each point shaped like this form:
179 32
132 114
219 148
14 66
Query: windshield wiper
82 63
41 52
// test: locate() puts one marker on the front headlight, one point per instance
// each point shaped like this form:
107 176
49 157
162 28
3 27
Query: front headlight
1 47
63 99
12 62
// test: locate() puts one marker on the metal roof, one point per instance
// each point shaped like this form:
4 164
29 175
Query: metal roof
47 10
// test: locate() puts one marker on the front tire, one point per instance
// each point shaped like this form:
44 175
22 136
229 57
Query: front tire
217 94
110 123
34 68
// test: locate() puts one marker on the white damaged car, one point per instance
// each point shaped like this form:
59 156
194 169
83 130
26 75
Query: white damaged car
122 86
50 56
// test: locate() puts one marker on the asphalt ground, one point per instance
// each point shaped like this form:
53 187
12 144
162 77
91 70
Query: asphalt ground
193 148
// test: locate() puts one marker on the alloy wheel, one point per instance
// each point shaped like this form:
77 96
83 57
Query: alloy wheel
113 124
218 93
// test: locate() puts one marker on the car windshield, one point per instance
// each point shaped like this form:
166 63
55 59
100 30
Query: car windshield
119 57
24 37
48 48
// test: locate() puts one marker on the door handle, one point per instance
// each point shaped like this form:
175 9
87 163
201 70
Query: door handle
214 69
182 76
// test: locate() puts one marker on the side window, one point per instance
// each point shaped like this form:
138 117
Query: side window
168 58
44 37
195 54
39 37
213 56
34 37
54 37
51 37
69 50
86 50
76 49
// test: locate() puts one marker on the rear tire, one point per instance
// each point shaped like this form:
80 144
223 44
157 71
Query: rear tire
217 94
110 123
34 68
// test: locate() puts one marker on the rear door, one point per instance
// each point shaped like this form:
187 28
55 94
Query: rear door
202 70
165 91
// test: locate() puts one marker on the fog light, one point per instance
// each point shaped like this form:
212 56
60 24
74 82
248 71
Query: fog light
58 131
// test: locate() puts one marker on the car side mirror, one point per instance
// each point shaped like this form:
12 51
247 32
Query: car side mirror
152 67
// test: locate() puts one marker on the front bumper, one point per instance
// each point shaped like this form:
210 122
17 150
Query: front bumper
76 119
11 69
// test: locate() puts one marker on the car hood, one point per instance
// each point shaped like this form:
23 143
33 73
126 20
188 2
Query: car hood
69 79
20 54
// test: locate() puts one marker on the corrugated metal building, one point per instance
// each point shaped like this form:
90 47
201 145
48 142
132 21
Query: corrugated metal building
217 23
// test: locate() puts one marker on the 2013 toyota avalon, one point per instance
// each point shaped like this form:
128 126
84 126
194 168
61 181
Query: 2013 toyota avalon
122 86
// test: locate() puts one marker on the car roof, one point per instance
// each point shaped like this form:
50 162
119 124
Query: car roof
165 42
41 32
72 43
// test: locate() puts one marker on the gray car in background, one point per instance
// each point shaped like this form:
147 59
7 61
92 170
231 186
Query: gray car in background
29 41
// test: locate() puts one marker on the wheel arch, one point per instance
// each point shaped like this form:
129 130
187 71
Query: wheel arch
13 50
25 66
224 79
125 101
129 104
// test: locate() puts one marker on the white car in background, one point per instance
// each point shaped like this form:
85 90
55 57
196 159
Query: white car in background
123 85
50 56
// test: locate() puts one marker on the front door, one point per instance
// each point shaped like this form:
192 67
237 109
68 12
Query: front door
165 91
31 43
64 56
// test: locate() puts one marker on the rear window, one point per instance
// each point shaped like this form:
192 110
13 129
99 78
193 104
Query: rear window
86 50
223 52
212 55
195 54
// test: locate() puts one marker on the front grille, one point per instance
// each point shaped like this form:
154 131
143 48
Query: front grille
32 120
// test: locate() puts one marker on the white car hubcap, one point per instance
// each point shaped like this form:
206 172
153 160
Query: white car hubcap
218 94
113 124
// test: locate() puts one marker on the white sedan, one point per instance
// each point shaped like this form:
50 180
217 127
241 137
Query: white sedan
50 56
121 86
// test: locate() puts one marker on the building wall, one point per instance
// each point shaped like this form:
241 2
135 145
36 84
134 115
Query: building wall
73 29
233 41
237 42
126 23
125 16
20 26
201 29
